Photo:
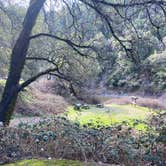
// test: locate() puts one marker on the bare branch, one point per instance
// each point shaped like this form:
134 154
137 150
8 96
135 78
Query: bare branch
32 79
130 4
42 59
74 46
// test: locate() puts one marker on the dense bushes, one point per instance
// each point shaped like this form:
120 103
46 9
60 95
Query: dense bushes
59 138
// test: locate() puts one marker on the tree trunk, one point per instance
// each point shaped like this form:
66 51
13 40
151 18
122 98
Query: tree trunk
17 63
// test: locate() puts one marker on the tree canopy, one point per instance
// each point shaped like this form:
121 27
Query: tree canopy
84 43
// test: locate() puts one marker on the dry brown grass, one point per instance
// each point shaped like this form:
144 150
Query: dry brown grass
152 103
42 101
49 103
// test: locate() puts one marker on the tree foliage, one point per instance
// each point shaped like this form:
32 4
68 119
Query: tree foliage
82 40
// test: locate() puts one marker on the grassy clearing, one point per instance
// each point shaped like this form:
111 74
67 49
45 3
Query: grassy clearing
46 163
110 115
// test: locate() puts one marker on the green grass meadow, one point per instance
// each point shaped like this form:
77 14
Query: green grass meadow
133 116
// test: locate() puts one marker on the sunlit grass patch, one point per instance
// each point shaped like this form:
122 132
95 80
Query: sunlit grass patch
2 82
110 115
36 162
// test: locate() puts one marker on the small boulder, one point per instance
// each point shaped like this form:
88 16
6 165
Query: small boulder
100 106
86 106
77 106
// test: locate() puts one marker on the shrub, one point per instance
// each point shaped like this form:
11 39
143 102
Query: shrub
59 138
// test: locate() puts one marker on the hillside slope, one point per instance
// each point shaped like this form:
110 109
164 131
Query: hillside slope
38 100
